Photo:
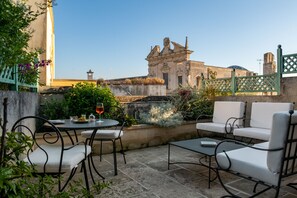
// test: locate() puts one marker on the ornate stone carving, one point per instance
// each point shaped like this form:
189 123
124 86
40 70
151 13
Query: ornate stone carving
179 72
165 68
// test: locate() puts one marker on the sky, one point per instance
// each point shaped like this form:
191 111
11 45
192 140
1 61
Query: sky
113 37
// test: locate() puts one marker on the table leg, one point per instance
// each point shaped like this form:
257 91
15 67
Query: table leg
76 138
69 135
168 156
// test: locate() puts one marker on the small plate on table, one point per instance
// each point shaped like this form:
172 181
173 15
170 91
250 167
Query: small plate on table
80 121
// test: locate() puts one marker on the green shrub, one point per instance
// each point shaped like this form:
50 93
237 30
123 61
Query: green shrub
192 103
163 115
82 98
55 109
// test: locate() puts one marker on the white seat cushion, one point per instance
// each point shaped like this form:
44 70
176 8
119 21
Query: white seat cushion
277 139
213 127
251 132
262 112
223 110
71 158
261 119
250 162
103 134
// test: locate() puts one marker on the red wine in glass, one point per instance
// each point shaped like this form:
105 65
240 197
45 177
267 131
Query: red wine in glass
99 110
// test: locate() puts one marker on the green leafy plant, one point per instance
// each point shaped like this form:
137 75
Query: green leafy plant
82 98
29 73
192 103
55 109
163 115
15 32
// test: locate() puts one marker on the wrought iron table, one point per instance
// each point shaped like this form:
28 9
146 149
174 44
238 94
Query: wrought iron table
68 125
208 152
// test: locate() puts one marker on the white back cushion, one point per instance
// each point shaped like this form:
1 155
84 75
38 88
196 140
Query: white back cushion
223 110
277 139
262 112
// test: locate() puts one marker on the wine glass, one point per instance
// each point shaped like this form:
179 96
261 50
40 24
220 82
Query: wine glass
99 110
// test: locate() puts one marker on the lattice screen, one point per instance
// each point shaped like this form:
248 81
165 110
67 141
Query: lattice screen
222 85
290 64
267 83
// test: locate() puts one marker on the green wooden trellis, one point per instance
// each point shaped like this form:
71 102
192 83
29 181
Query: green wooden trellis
9 75
286 64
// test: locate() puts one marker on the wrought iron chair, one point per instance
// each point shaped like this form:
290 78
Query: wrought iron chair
53 154
268 163
224 118
117 113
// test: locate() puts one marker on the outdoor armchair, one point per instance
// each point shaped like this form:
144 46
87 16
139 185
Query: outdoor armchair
54 153
268 163
261 120
224 118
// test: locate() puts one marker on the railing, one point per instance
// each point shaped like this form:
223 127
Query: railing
9 75
286 64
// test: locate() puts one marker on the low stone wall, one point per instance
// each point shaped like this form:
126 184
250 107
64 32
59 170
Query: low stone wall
138 90
141 136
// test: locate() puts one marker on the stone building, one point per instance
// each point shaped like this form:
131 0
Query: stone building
269 65
176 68
43 37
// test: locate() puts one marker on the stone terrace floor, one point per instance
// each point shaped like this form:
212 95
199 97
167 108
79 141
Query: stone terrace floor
146 176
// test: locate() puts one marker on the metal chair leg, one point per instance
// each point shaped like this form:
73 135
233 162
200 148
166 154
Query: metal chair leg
86 175
115 158
122 150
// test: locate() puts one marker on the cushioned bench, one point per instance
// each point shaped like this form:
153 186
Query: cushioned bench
223 118
261 120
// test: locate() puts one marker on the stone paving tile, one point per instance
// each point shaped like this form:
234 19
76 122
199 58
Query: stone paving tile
146 195
146 176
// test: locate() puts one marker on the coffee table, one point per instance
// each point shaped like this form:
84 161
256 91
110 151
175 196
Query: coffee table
194 145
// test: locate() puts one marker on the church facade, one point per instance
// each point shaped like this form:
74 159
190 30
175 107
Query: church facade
176 68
